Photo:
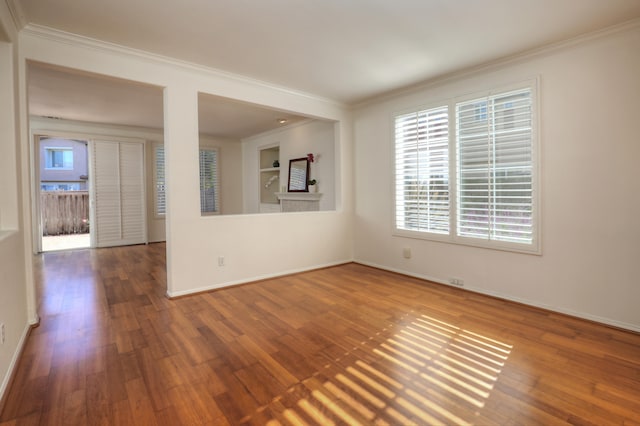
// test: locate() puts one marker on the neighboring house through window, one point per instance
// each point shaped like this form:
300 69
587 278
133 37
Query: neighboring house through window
63 164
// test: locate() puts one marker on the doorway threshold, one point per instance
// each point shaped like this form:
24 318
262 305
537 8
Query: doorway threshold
66 242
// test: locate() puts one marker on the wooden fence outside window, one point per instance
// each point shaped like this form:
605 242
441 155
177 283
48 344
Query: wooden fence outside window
64 212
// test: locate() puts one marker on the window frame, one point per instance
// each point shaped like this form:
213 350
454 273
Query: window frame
48 152
453 238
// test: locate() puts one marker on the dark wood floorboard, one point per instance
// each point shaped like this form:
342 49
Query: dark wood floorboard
344 345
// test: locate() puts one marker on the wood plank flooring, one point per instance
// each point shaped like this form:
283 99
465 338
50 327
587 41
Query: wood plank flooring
344 345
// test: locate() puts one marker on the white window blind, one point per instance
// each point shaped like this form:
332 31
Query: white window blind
495 167
209 198
422 171
160 194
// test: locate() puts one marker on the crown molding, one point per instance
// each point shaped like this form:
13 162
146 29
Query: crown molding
17 13
64 37
501 62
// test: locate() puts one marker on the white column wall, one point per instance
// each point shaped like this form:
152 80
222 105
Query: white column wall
14 312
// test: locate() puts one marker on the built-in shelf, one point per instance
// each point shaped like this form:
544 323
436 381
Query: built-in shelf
269 175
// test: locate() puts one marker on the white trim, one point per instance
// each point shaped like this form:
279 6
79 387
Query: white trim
256 278
17 13
6 233
499 295
15 358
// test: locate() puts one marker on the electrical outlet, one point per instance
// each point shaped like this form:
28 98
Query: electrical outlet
406 252
2 334
220 260
456 281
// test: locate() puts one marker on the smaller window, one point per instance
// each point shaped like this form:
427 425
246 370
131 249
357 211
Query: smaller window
59 158
209 184
160 194
209 199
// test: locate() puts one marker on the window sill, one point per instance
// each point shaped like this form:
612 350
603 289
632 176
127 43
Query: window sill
470 242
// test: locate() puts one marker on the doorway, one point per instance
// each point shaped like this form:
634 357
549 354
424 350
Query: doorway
63 193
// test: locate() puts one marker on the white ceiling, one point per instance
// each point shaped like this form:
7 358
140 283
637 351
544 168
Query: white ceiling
345 50
76 95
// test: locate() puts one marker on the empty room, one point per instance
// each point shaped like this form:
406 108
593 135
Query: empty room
316 213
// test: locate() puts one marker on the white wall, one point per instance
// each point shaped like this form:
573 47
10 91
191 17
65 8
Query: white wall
295 141
254 246
589 120
14 313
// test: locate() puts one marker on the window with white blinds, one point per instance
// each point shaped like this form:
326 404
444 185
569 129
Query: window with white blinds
209 183
209 198
422 171
474 184
495 167
160 195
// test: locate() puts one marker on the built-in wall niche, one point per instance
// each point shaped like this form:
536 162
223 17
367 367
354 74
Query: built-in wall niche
269 177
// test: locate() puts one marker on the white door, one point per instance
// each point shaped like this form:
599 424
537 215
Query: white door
119 215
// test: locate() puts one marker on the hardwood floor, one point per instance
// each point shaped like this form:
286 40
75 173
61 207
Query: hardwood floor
344 345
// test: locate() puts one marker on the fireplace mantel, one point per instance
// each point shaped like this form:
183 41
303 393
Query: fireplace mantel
299 201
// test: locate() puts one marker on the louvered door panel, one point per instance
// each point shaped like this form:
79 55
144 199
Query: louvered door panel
119 207
132 193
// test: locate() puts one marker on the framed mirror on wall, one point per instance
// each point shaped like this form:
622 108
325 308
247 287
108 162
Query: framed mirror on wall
298 175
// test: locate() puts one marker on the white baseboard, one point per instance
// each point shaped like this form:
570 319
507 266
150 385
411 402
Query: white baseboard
14 363
560 310
253 279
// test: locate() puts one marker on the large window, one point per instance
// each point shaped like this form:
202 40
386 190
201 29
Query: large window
492 143
59 158
209 184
